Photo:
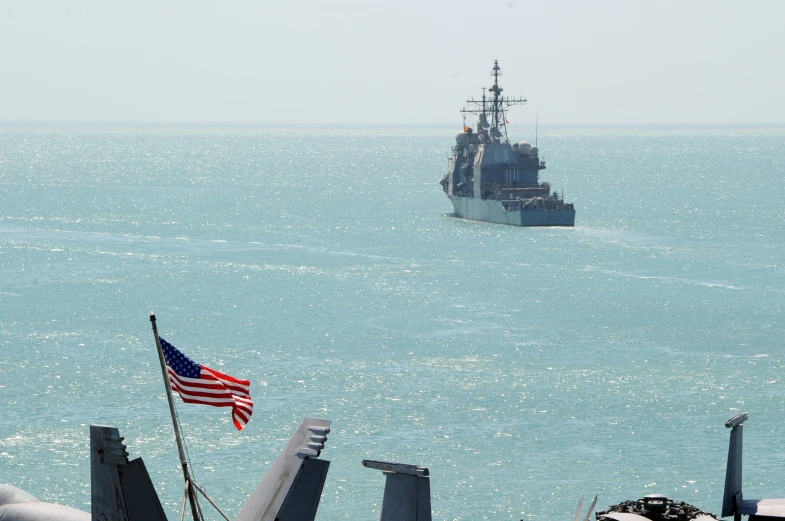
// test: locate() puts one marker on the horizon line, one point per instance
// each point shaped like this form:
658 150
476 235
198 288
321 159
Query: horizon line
10 124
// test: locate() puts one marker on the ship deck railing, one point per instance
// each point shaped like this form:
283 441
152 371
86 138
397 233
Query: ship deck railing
516 205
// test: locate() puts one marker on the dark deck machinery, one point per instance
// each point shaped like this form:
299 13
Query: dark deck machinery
407 491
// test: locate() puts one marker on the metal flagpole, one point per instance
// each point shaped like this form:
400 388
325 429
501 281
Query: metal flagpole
188 482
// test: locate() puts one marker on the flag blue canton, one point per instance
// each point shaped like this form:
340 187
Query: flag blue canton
180 363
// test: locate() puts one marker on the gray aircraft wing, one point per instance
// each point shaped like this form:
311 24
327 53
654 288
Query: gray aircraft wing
18 505
291 489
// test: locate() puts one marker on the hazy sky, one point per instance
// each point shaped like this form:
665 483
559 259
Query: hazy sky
401 61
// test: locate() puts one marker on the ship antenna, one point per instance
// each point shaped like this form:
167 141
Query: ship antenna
497 106
483 101
536 122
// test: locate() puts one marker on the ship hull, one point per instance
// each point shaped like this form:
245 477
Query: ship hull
492 211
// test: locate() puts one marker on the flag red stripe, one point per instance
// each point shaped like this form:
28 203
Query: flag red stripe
226 377
196 385
209 376
208 381
188 399
245 411
207 393
212 390
220 401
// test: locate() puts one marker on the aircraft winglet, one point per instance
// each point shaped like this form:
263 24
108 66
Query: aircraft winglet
292 488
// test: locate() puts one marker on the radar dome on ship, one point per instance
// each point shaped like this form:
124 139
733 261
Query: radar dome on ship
461 138
534 151
524 147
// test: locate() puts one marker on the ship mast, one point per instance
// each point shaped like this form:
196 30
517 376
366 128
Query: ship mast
498 108
496 92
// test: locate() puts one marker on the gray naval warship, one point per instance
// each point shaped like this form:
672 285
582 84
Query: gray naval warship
490 180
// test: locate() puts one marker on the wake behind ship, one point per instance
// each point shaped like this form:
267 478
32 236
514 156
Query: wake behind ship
490 180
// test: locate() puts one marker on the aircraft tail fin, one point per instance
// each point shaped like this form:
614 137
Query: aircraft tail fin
407 491
591 509
292 488
121 490
733 494
577 515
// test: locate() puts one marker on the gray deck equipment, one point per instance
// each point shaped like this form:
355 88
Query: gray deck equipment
733 502
653 507
407 491
123 491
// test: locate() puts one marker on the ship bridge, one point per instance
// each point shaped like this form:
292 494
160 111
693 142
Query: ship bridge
501 166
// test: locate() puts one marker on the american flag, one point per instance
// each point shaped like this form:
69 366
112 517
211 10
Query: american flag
197 383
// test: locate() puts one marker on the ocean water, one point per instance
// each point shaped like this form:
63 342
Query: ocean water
523 367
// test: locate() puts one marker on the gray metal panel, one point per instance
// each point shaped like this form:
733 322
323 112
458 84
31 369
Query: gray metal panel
496 154
18 505
140 496
623 516
477 179
107 452
37 511
762 507
493 211
406 498
733 494
303 499
10 495
399 468
423 499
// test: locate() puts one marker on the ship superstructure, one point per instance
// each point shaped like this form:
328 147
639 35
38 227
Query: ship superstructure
490 180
